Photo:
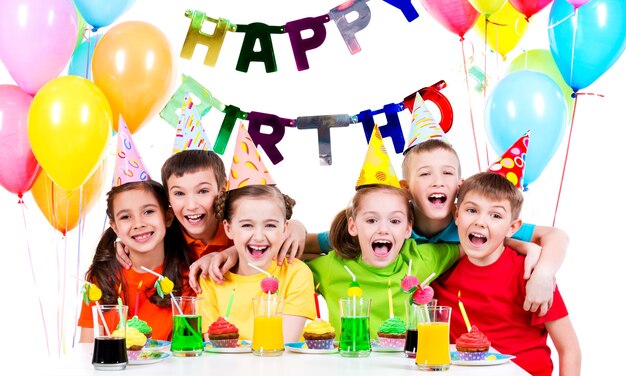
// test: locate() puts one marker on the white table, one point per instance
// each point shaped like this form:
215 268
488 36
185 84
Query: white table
78 362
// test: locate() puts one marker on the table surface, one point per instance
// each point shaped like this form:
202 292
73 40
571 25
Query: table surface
78 362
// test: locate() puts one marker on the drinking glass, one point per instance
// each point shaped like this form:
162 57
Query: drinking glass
267 336
355 327
414 315
433 342
187 327
109 345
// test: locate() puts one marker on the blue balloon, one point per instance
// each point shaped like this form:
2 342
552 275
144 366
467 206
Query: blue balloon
100 13
596 33
522 101
80 63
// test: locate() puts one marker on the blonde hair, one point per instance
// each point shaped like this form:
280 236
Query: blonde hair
425 147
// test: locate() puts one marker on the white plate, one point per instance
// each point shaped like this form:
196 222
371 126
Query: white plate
301 347
242 347
157 345
490 359
148 357
377 347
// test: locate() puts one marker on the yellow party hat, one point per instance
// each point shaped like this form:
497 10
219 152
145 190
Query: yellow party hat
377 168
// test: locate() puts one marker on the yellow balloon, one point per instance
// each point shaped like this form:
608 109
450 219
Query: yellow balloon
63 209
504 29
69 124
487 7
133 64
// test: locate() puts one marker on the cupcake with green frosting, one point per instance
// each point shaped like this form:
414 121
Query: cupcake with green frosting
141 326
392 333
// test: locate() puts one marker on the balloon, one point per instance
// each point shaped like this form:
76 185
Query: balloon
18 166
529 7
82 27
458 16
540 60
99 13
488 7
596 35
64 209
36 40
578 3
138 85
80 65
522 101
69 123
504 30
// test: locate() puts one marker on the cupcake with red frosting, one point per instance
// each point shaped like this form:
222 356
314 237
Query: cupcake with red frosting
472 345
223 334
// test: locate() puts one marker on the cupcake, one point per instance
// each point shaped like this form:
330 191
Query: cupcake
319 335
223 334
392 333
142 326
135 341
472 345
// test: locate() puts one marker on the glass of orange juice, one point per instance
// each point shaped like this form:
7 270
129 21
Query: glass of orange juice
267 336
433 340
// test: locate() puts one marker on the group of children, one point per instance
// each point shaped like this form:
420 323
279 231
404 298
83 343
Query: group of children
200 222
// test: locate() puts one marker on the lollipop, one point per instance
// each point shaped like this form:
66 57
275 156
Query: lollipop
164 286
91 293
423 295
410 282
269 285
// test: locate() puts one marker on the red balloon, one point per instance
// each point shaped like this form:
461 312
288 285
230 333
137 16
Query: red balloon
529 7
433 93
458 16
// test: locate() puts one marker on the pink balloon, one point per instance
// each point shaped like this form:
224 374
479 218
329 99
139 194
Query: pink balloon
37 39
18 166
529 7
458 16
578 3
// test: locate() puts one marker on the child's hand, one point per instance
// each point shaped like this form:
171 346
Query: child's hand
539 292
293 246
214 265
121 254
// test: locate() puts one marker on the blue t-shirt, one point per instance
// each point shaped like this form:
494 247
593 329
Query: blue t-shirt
450 234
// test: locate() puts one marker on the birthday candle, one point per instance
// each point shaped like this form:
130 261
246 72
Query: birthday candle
137 297
317 303
390 299
463 313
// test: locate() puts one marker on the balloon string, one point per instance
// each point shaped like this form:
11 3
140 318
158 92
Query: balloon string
32 272
469 102
485 88
569 139
80 234
65 247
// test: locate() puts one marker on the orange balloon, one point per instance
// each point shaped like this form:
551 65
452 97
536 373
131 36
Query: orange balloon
63 209
133 65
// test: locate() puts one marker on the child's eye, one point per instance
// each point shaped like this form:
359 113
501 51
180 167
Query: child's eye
246 225
496 216
178 193
370 220
270 225
204 191
424 174
395 221
470 210
124 217
149 211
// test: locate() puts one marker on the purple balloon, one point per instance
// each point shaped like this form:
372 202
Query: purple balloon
37 39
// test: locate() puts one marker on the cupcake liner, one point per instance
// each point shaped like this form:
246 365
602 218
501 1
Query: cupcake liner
133 354
320 344
479 355
391 342
223 343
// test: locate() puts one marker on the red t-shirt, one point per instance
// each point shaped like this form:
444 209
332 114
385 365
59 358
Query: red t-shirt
160 319
198 249
493 297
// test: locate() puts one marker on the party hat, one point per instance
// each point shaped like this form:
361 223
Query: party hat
190 134
423 125
377 168
128 165
247 167
511 164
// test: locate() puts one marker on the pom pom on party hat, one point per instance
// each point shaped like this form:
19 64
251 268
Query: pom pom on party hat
423 125
128 164
190 134
377 168
512 163
247 167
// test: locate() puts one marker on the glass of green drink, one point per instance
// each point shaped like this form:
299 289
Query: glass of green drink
187 328
355 327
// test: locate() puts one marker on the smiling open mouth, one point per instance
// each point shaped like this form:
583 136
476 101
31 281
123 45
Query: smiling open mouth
477 239
195 218
438 198
257 251
381 247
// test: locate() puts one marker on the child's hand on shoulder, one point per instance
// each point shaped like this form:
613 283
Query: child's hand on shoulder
293 246
213 265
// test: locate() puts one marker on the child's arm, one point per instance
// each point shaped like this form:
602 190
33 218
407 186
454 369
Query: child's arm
292 327
563 336
121 254
86 335
213 264
294 243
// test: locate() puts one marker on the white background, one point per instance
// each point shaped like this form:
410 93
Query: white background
397 58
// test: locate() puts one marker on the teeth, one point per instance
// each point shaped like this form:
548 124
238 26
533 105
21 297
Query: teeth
478 235
194 217
141 237
382 241
257 247
438 195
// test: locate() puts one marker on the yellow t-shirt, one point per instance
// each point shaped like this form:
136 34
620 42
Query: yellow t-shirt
295 286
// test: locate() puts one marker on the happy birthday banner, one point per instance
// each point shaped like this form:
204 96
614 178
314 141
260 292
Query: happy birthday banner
262 33
323 123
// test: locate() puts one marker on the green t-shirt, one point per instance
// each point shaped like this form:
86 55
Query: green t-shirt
334 280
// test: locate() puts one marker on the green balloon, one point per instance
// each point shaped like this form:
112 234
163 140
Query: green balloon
541 60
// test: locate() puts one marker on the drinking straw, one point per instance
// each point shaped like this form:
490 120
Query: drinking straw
464 314
119 309
230 302
410 263
104 322
351 274
353 296
259 269
390 299
269 295
180 311
431 276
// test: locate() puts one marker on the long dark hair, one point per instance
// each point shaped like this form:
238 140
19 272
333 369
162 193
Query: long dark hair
106 272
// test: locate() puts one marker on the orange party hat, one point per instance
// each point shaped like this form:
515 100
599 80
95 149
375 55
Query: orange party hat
511 164
190 134
423 125
247 167
377 168
128 165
